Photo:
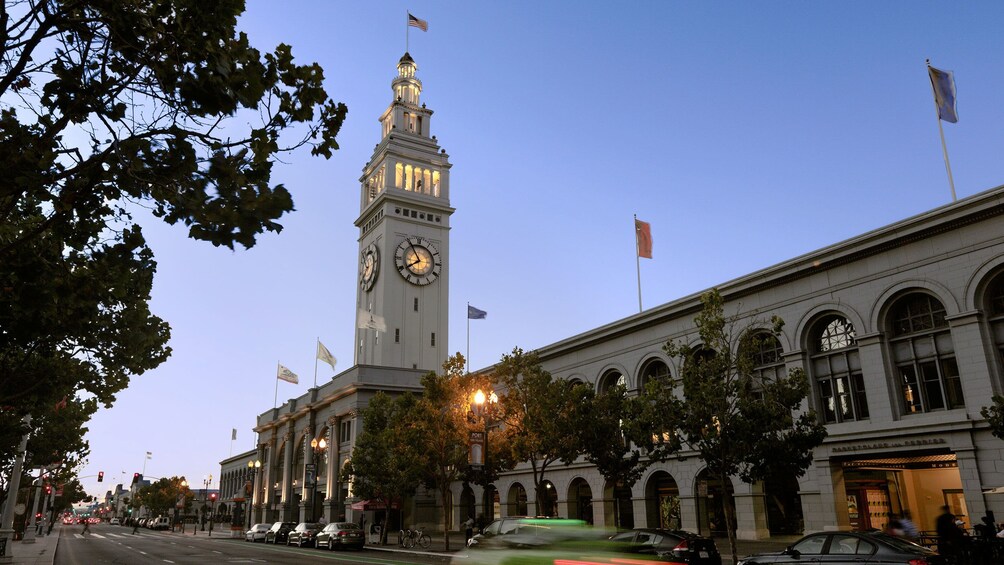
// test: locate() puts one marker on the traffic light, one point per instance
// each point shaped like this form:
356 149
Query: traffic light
135 478
48 488
101 476
212 497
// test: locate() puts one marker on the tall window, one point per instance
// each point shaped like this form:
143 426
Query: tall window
924 355
610 379
837 371
995 313
768 361
654 369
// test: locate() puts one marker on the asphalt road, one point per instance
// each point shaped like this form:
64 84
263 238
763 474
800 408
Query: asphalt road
107 544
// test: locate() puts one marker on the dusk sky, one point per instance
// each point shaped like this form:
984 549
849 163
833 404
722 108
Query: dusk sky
746 133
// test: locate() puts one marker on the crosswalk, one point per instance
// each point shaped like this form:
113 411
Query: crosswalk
106 536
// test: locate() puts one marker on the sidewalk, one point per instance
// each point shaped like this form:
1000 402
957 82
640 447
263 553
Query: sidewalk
42 552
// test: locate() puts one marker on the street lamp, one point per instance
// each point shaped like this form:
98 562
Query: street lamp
484 406
205 493
249 490
180 504
319 446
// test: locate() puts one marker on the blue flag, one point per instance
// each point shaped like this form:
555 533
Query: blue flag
475 314
944 94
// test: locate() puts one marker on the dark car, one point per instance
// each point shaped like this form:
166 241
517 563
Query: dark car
303 534
849 548
341 534
677 546
279 532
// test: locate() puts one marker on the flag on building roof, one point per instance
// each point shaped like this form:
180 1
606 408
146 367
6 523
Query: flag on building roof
643 236
287 375
944 93
416 22
233 435
475 314
324 355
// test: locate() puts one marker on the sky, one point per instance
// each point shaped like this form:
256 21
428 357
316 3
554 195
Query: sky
746 133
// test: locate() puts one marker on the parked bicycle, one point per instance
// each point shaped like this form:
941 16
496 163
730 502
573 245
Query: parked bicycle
411 537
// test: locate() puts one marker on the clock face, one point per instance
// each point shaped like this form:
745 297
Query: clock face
418 260
369 266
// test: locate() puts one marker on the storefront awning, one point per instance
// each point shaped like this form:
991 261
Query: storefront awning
373 505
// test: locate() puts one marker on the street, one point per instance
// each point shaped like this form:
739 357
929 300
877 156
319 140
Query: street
117 544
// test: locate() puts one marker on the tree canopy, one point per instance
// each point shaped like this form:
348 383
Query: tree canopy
161 496
741 421
111 110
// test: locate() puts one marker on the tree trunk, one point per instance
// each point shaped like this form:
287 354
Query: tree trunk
728 511
446 517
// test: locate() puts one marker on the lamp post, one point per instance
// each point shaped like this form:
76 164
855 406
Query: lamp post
319 446
484 406
205 495
180 504
249 490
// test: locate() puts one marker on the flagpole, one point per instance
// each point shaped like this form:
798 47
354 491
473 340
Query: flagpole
407 20
316 347
941 132
275 401
637 260
468 360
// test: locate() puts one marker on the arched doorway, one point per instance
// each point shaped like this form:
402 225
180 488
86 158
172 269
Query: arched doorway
618 507
710 514
662 502
580 501
516 500
468 505
548 499
784 505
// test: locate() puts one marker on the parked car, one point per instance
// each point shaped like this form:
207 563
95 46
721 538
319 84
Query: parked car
341 534
114 522
303 534
677 546
257 532
279 532
159 523
849 548
508 526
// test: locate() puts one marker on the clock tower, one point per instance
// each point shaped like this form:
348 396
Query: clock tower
404 244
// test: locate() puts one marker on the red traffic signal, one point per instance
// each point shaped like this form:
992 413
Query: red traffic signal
101 476
48 489
212 496
135 478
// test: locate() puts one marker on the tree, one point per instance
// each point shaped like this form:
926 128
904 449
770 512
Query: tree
619 438
160 497
537 413
387 461
109 108
738 420
442 419
995 416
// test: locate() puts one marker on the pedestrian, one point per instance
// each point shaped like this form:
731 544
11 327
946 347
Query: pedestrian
894 527
135 526
468 530
40 525
909 528
950 538
87 526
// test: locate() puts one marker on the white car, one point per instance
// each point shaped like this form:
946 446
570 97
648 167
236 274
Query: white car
257 532
115 522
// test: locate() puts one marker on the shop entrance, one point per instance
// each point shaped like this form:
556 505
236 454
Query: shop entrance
877 488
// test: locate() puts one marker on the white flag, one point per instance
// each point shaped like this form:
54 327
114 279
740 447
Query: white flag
324 355
287 375
370 321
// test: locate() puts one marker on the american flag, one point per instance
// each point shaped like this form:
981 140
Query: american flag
419 23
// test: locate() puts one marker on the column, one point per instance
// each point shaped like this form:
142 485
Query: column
751 515
306 492
287 477
331 484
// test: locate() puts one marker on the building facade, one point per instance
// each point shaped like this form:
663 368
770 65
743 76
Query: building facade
901 331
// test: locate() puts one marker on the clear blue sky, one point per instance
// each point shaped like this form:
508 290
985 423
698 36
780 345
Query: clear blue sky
747 133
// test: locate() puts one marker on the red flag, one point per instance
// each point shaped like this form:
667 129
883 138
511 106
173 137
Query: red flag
643 236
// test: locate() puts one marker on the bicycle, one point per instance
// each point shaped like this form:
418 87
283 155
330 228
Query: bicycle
411 537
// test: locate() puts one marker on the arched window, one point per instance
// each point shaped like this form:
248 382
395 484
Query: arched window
924 354
836 368
995 313
654 369
610 379
767 354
